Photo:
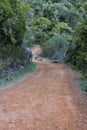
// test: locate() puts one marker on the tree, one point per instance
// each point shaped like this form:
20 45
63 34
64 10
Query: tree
12 29
56 47
62 27
39 28
38 8
56 12
77 52
74 18
84 5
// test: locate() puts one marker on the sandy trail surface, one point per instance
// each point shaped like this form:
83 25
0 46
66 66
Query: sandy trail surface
49 99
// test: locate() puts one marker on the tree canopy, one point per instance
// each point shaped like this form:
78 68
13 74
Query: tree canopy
50 23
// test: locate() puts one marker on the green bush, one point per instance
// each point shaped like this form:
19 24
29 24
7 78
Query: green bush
56 47
77 51
83 85
13 57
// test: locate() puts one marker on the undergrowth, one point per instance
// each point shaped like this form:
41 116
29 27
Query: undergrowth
17 76
83 85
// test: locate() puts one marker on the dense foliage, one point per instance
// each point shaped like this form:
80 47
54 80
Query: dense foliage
77 51
59 26
64 39
12 29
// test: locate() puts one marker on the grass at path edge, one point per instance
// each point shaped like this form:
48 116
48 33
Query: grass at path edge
18 76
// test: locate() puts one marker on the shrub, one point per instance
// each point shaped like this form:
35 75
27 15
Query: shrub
56 47
77 51
83 85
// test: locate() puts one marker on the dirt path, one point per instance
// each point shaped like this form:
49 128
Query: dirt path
48 100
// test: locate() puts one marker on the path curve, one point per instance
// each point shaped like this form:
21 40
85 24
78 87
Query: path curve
47 100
